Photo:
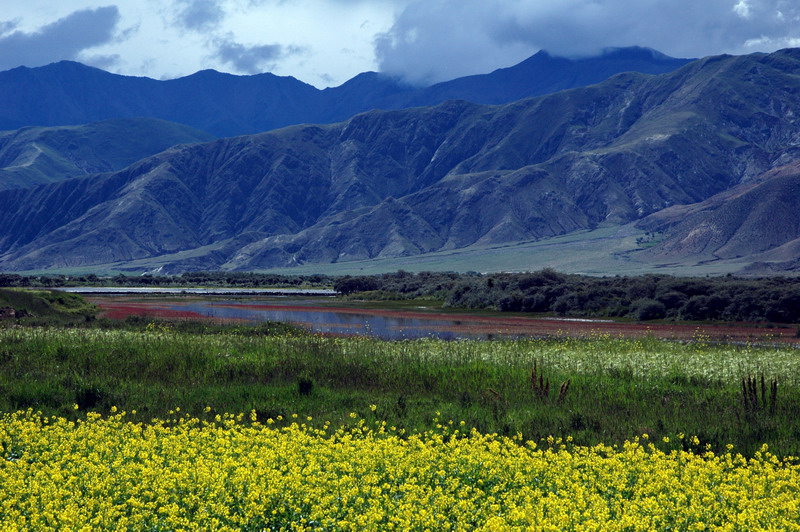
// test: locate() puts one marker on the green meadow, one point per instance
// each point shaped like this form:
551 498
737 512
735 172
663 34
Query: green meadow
600 389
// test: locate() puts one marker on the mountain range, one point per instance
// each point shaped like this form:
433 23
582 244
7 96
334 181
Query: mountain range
704 157
69 93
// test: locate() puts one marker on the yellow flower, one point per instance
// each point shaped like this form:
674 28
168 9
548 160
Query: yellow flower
108 473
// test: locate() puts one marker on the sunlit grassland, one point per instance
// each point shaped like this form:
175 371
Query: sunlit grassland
618 388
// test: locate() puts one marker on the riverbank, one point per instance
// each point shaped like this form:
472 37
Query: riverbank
117 290
417 321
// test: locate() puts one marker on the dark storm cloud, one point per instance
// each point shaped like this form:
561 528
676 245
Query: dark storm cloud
64 39
253 59
200 15
432 40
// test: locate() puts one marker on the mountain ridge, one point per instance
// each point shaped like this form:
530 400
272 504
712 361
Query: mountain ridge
35 155
69 93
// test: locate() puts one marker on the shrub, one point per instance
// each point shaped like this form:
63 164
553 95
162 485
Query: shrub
648 309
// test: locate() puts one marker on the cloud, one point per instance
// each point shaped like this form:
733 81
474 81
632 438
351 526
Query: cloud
104 62
742 8
7 26
64 39
253 59
200 15
435 40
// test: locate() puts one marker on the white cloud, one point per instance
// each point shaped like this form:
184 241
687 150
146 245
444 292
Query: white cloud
433 40
768 43
743 9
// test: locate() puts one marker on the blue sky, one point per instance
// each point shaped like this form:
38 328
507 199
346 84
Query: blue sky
326 42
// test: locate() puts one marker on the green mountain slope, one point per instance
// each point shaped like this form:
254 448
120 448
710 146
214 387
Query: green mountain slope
37 155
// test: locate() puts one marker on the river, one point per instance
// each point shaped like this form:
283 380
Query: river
327 315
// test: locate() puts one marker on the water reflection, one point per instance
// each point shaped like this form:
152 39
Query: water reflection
389 326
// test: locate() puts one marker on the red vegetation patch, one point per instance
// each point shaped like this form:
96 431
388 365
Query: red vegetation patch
120 308
521 325
120 311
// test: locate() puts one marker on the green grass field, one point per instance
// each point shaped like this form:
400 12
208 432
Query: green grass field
617 388
47 306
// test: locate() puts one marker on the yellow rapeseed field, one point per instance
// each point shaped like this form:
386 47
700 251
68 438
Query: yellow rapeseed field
235 474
